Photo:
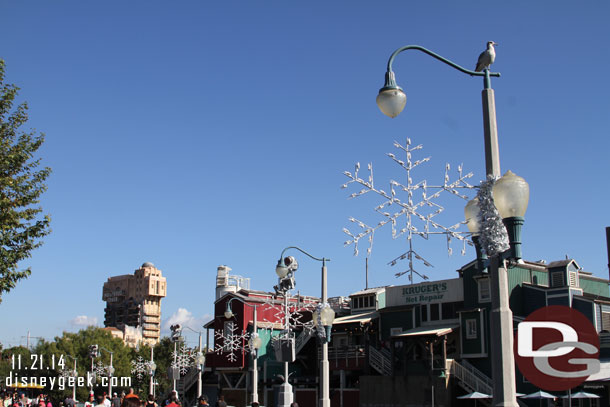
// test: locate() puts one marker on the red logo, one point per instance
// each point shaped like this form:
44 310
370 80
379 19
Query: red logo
556 348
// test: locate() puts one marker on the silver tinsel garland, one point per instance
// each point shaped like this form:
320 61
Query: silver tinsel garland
320 331
493 236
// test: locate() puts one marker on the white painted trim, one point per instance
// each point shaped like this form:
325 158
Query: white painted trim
483 348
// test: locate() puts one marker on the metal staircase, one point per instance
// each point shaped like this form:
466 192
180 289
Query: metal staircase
469 377
302 340
380 360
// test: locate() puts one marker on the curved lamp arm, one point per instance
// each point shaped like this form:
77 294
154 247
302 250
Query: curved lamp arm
390 82
188 327
242 301
323 260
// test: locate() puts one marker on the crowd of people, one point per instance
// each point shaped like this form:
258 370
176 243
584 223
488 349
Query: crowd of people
101 399
19 399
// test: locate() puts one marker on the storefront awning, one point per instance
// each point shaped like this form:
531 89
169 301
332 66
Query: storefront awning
438 330
362 318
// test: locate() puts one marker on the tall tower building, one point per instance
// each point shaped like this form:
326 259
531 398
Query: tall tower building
135 301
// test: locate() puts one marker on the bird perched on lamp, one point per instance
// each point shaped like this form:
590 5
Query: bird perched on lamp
487 57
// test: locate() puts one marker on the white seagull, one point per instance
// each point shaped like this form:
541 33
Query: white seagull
487 57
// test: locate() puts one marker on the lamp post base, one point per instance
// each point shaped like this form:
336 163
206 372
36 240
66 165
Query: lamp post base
285 395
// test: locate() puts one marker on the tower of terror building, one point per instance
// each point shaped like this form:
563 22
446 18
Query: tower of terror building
134 301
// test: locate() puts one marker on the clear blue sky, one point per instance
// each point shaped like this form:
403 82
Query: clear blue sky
193 134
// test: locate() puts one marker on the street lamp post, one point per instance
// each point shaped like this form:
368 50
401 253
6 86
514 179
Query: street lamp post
391 100
199 361
74 375
255 343
110 372
93 353
175 337
152 367
324 370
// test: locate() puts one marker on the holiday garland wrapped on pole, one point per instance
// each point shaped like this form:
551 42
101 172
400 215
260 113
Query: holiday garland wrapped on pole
493 236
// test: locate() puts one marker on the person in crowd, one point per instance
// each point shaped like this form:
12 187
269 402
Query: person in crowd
203 401
90 400
131 401
106 400
99 399
255 404
173 402
131 394
169 399
116 401
221 401
151 401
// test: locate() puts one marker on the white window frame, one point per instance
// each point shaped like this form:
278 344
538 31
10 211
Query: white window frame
480 283
471 329
395 331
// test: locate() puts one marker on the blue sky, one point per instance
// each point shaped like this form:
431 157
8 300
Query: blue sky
193 134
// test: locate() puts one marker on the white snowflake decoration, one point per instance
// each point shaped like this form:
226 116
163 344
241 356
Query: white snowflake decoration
296 313
408 210
184 359
140 367
231 342
100 370
66 373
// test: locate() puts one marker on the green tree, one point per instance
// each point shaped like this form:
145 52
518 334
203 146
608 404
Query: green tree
21 184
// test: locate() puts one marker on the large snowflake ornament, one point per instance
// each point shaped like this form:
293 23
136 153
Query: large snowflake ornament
232 342
140 367
182 359
296 313
418 206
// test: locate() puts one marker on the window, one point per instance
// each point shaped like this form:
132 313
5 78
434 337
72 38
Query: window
484 291
424 313
449 310
573 279
471 329
366 302
434 312
557 279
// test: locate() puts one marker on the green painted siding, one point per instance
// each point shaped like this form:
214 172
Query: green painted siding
540 278
471 346
399 319
594 287
381 300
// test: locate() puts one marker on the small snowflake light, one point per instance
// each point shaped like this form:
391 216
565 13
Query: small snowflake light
140 367
183 358
409 209
65 373
100 370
